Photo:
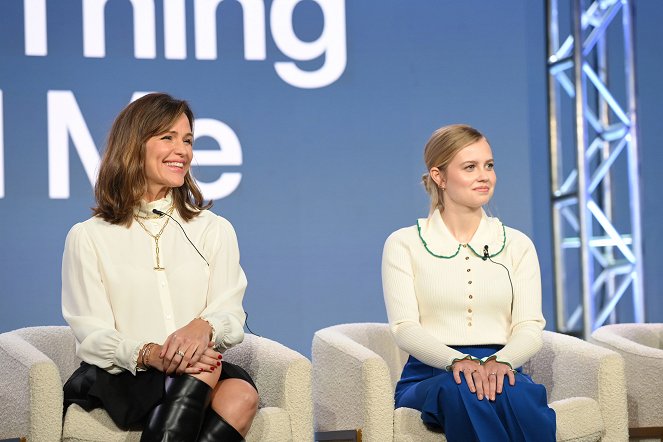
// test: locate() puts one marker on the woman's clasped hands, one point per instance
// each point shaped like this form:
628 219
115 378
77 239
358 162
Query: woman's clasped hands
187 350
486 380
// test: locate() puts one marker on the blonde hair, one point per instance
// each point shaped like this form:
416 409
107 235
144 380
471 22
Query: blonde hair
440 149
121 181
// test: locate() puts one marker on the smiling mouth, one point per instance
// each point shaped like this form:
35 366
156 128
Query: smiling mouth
175 164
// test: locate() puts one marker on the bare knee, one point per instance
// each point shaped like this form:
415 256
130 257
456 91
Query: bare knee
237 402
251 399
241 397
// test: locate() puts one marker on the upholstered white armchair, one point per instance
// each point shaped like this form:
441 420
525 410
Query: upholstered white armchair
641 345
356 367
36 361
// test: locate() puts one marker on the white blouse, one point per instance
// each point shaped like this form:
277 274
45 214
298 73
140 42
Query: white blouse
115 301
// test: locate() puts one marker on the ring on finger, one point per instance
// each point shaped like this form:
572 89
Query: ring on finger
492 374
179 352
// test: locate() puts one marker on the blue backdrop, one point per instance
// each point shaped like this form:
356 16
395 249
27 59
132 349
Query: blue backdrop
312 121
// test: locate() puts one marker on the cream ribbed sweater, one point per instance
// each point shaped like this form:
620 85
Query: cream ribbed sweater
433 303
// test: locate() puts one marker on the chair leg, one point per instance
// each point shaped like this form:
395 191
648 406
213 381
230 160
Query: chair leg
338 436
646 433
180 415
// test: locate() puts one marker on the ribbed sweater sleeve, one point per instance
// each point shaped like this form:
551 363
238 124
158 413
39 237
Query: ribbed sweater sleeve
403 310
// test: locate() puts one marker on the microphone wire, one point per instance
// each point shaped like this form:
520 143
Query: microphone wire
160 213
246 323
486 256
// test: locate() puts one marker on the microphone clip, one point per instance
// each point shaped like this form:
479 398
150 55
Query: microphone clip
486 255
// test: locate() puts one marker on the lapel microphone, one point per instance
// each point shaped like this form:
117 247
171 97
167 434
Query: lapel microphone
485 253
160 213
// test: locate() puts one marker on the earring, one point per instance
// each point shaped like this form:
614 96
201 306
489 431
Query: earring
440 186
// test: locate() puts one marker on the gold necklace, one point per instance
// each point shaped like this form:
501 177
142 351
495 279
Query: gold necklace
152 216
157 236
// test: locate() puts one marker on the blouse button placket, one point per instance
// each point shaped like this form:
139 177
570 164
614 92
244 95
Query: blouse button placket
166 302
469 315
468 269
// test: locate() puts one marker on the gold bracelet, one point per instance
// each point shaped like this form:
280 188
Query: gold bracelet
146 357
139 359
142 358
147 348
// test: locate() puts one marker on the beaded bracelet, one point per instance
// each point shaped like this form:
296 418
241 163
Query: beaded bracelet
145 355
139 359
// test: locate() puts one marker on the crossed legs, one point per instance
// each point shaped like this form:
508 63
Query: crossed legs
233 403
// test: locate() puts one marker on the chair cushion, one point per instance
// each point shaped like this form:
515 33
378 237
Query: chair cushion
270 424
578 419
97 426
408 427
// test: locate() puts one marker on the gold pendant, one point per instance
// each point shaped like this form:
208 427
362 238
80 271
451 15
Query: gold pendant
156 237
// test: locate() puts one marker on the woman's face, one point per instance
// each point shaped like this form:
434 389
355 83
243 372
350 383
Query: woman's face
168 158
469 179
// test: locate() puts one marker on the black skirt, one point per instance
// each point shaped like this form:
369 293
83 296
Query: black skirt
127 399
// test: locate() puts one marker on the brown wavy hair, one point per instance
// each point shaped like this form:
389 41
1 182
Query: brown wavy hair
440 149
121 182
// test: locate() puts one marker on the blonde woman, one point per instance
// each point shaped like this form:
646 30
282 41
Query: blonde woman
463 297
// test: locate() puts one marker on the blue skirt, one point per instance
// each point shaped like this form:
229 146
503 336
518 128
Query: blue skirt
519 413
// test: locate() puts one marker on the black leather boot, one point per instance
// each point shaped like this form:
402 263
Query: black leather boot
216 429
180 415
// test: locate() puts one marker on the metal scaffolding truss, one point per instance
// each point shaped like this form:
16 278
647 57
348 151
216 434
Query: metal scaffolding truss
595 194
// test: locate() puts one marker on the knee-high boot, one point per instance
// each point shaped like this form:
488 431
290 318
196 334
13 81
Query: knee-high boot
216 429
181 413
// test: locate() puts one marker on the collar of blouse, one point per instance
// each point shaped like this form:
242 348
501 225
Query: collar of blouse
441 243
144 209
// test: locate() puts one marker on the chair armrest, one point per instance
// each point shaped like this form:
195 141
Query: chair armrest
352 388
644 365
629 346
283 378
30 392
570 367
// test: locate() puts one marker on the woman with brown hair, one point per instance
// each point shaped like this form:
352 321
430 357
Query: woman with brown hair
463 297
153 305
